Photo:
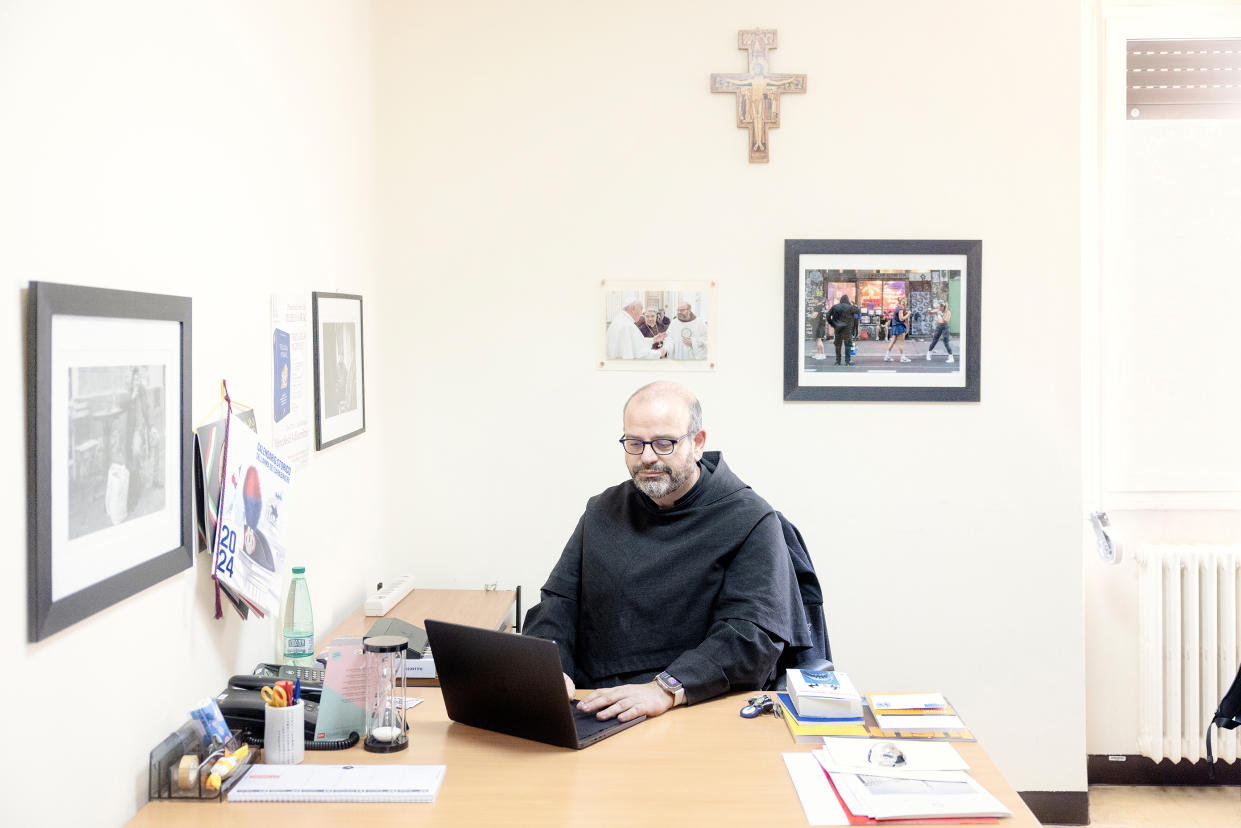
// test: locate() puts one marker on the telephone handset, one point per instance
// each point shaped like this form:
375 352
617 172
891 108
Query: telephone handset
311 690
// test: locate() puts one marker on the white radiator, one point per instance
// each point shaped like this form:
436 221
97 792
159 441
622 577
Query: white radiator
1190 639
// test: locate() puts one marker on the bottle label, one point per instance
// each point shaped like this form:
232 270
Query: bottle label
299 646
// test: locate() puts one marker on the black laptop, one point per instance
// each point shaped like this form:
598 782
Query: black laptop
512 684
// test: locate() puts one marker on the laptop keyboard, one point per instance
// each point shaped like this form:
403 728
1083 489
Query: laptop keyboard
586 723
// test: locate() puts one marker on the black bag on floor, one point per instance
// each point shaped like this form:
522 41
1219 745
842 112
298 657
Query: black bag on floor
1227 716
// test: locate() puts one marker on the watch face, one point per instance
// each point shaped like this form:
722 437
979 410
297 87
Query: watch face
670 681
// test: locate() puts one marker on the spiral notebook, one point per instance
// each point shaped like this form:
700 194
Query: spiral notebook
339 783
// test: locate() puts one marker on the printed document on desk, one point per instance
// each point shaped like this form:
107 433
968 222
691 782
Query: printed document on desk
951 794
818 799
853 755
944 725
339 783
898 723
907 703
824 805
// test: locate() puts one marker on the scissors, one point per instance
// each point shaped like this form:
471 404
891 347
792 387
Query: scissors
278 696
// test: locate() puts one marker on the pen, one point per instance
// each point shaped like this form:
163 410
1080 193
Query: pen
297 690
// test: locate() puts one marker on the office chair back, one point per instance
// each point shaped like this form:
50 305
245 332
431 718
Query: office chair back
818 656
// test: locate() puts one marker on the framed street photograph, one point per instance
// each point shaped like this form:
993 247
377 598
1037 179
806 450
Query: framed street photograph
882 320
109 442
340 393
657 325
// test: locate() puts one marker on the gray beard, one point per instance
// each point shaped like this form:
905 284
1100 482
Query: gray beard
660 487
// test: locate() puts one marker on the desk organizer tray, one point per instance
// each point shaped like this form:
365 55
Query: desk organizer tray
169 779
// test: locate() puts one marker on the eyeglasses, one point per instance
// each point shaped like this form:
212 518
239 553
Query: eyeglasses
662 446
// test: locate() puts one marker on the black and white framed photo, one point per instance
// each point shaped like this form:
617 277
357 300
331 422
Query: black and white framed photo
882 320
340 393
109 442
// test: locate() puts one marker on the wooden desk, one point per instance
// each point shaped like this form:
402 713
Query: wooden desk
693 766
487 608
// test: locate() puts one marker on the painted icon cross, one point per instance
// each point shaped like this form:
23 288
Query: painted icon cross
758 92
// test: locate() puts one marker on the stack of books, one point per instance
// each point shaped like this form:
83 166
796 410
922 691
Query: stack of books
821 703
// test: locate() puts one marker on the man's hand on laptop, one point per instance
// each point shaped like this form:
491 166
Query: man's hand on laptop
568 684
627 701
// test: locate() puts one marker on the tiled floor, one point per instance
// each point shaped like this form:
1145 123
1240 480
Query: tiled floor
1149 806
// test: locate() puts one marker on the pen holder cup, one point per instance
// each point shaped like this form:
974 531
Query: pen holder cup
284 734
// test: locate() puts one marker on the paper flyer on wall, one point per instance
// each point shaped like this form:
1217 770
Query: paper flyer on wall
254 498
290 377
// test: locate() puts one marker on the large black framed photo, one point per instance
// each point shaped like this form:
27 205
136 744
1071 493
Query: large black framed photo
882 320
109 443
340 390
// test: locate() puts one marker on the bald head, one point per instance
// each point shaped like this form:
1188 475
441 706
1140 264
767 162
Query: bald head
669 394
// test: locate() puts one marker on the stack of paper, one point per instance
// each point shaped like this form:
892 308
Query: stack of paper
840 785
907 702
915 714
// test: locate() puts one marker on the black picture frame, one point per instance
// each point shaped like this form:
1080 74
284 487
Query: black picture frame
108 399
922 273
340 382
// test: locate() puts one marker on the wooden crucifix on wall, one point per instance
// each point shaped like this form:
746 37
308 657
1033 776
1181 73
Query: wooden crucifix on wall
758 91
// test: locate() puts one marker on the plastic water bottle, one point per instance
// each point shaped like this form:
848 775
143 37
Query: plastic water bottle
299 624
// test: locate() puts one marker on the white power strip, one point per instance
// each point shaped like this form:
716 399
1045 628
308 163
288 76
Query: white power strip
380 601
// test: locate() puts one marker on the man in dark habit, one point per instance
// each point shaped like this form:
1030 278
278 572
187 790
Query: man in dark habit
676 586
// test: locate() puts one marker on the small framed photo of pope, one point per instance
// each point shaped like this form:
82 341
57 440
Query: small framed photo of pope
657 326
882 320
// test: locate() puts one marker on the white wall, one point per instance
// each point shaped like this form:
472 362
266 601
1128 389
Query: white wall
216 150
528 151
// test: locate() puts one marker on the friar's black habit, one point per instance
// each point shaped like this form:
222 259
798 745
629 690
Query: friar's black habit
704 589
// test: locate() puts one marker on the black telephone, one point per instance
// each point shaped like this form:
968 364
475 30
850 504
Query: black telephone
288 671
243 709
243 706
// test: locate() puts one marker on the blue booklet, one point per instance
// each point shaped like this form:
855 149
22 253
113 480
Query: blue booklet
280 365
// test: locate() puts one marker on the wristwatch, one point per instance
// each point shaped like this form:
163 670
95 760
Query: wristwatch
672 685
